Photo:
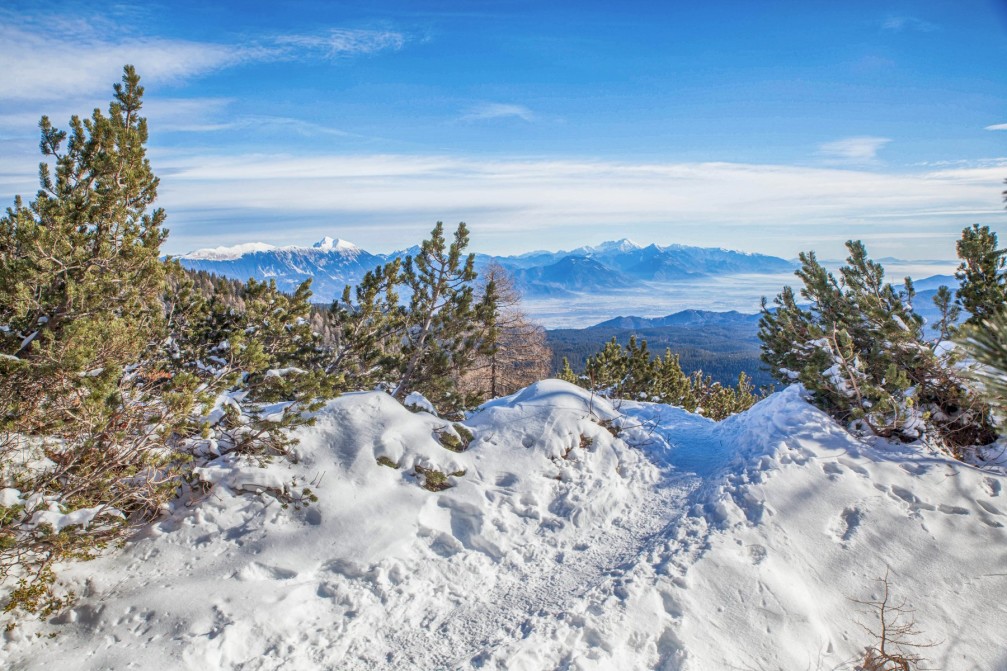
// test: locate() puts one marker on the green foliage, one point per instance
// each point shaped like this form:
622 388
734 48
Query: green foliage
721 346
368 345
860 350
445 329
983 290
113 362
456 439
634 373
566 372
986 344
949 311
254 345
434 480
81 419
426 345
385 461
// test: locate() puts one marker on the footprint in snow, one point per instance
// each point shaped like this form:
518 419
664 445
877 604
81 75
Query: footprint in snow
847 524
915 503
757 554
855 467
989 507
256 571
833 470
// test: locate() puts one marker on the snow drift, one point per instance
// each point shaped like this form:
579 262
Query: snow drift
573 534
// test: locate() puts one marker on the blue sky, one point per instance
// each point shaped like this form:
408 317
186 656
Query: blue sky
762 126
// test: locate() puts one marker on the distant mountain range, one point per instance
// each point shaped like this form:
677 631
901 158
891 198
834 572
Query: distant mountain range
620 265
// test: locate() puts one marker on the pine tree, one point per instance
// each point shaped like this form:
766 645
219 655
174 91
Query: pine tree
632 373
445 327
983 290
254 346
566 373
672 384
80 375
427 345
368 331
949 311
606 371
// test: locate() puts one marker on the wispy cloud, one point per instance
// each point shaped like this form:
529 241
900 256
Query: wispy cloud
903 23
37 67
346 42
383 202
485 111
373 197
862 149
997 126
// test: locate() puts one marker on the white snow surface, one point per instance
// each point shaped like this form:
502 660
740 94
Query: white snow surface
679 543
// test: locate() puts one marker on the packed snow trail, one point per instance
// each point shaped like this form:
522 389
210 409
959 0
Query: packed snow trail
576 535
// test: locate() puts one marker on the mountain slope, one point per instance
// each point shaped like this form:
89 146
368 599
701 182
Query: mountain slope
678 543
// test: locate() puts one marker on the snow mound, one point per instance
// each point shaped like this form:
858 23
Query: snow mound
791 521
543 498
569 533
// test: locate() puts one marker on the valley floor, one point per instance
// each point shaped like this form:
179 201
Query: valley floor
577 534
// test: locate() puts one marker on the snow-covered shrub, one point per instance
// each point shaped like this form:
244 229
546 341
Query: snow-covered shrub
457 438
860 350
259 365
434 480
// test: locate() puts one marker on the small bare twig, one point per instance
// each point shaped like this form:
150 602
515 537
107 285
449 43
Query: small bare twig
896 634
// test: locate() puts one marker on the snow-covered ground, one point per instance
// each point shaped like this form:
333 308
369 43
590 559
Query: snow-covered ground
574 535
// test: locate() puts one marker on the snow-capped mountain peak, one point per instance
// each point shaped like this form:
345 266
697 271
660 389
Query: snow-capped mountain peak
228 253
335 244
623 245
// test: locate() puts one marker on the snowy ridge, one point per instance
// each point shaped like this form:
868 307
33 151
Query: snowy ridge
577 534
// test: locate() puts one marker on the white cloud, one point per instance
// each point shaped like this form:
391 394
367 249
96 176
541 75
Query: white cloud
860 149
384 202
997 126
347 42
903 23
485 111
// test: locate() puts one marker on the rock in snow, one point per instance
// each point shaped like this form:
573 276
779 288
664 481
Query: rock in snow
575 534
